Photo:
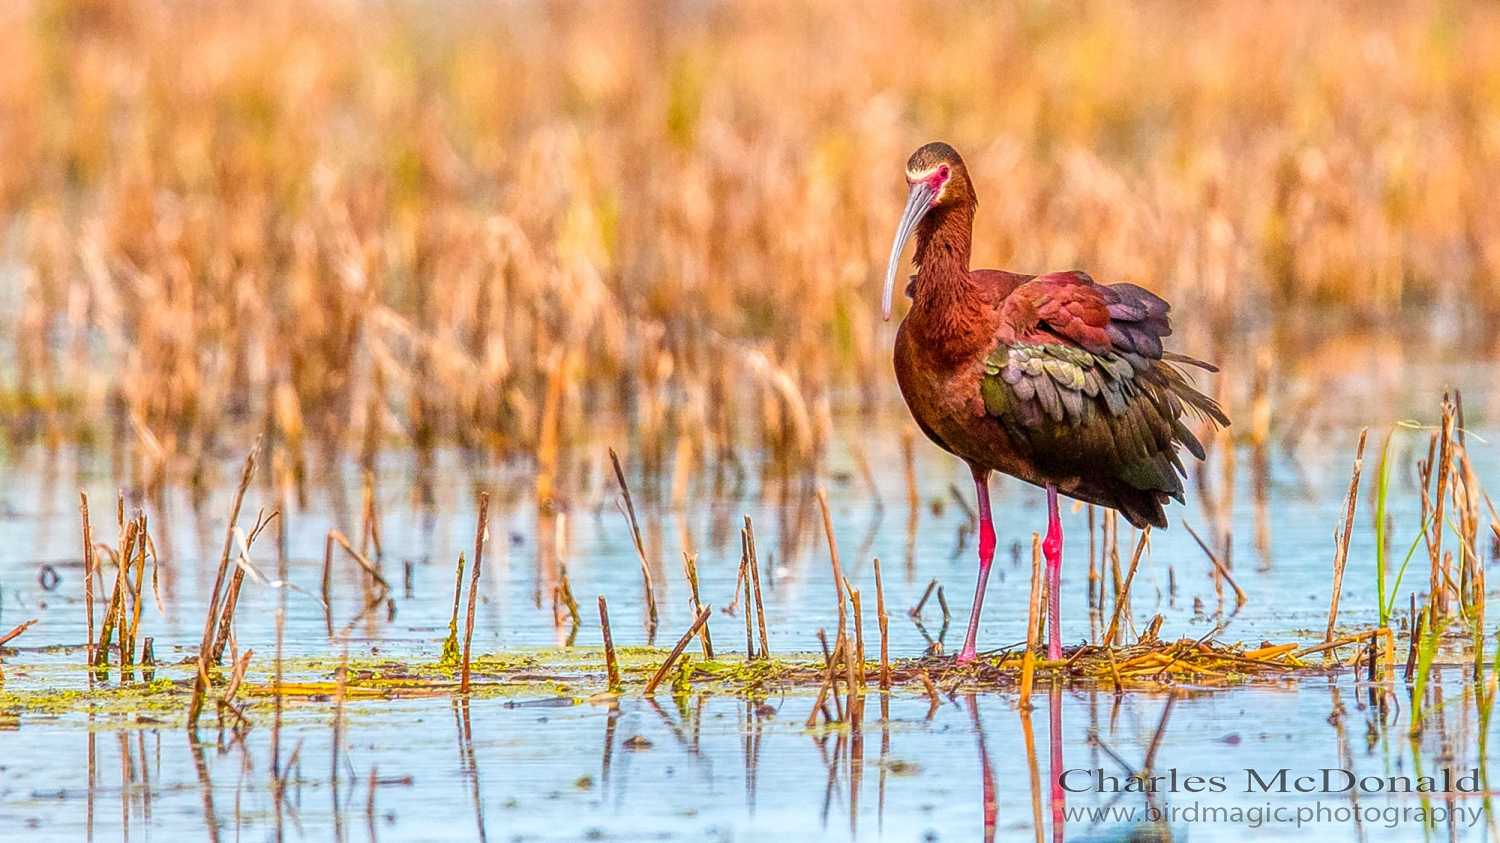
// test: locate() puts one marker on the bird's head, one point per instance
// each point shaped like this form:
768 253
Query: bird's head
938 178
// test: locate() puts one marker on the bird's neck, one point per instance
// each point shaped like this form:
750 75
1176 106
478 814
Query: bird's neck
950 317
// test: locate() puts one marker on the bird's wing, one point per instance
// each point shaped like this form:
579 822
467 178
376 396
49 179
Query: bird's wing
1080 380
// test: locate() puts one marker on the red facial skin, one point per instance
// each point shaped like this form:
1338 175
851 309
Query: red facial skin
935 181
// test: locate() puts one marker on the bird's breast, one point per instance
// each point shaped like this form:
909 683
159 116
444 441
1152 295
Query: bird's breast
946 404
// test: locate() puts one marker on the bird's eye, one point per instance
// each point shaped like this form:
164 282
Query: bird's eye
943 172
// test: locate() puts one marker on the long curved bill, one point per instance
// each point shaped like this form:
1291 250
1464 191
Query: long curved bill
918 202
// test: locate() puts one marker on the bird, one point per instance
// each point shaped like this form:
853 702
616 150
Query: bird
1053 379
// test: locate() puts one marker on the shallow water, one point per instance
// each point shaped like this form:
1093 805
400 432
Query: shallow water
540 772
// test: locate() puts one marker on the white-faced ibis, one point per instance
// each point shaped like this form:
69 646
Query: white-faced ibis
1052 379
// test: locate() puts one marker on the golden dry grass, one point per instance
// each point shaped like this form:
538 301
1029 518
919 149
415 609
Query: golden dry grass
354 222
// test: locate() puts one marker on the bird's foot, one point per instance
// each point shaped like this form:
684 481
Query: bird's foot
967 655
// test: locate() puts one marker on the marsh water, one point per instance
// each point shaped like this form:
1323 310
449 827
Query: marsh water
565 765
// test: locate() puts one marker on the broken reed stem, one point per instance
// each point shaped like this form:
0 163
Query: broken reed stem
1033 616
610 665
451 654
19 628
915 612
640 546
823 690
89 562
363 562
682 643
480 534
202 683
1239 593
235 678
1341 535
884 623
830 663
1123 599
760 611
833 553
690 563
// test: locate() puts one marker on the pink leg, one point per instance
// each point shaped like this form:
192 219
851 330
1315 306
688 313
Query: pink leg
986 557
1052 550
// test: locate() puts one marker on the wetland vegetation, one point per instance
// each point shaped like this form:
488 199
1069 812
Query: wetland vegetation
551 333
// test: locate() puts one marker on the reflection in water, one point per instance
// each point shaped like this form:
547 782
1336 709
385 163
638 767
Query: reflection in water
710 767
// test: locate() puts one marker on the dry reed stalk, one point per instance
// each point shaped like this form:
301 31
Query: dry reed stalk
17 630
681 645
851 683
236 677
884 622
744 579
327 590
202 683
640 547
859 635
1437 595
1367 635
760 609
690 564
833 555
451 655
481 534
1096 582
564 594
1341 535
611 666
89 562
1124 599
1239 593
128 632
1033 620
1116 577
1418 630
114 614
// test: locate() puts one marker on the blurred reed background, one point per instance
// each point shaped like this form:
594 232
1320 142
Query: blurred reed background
511 226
